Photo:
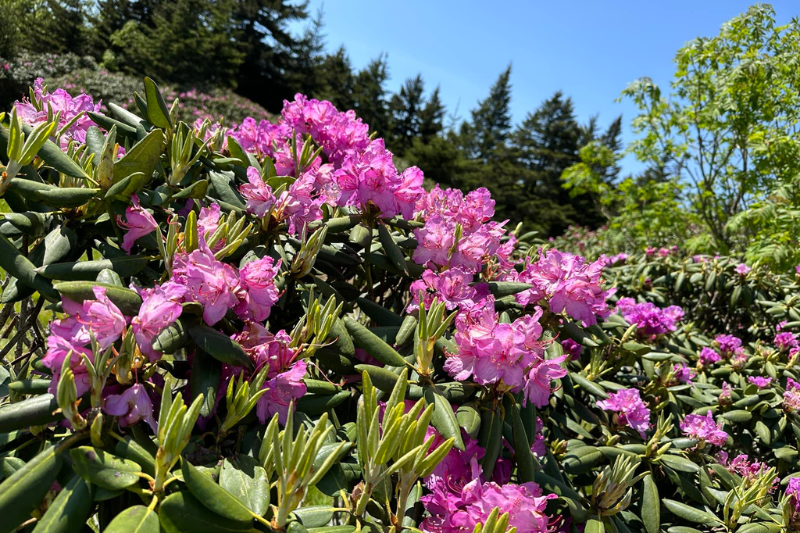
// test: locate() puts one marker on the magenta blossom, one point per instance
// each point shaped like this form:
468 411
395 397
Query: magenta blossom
131 406
708 356
258 291
785 341
683 373
729 345
73 112
791 397
258 194
650 320
210 282
139 224
759 381
569 282
572 348
704 428
101 316
630 409
452 287
538 386
160 308
742 269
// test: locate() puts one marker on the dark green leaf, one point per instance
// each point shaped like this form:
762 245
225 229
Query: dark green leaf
183 513
69 510
219 346
21 493
136 519
372 344
214 497
104 469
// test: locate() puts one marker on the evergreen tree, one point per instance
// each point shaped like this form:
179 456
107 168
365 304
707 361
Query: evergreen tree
431 117
491 120
336 79
269 72
404 109
369 95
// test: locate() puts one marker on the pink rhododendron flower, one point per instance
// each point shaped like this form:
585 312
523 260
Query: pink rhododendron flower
650 320
452 287
258 194
139 223
435 240
572 348
101 316
791 397
538 385
704 428
793 490
161 307
258 292
630 409
728 345
759 381
569 282
62 102
708 356
131 406
456 514
785 341
742 269
683 373
725 394
208 220
210 282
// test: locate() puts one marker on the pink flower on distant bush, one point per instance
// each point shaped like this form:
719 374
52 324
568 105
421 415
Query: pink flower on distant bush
785 341
759 381
742 269
683 373
728 345
161 307
139 223
708 356
572 348
704 428
791 396
630 409
650 320
569 282
131 406
725 394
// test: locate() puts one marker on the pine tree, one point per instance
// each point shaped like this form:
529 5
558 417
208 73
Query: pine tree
431 117
404 110
336 79
491 121
369 95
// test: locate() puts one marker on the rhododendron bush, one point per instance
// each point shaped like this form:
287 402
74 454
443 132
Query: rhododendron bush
270 326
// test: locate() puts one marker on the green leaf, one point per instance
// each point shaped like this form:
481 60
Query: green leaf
396 255
88 270
214 497
157 110
183 513
522 447
651 505
738 416
19 266
141 158
69 510
589 386
30 386
690 513
107 123
372 344
206 372
136 519
383 379
680 463
127 300
172 338
35 411
24 490
104 469
490 439
594 525
250 487
379 314
315 516
315 404
443 419
501 289
51 153
125 187
133 451
66 197
219 346
469 418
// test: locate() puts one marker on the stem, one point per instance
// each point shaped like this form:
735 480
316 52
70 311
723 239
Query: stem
364 499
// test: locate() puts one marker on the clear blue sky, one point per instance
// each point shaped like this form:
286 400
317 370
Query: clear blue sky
589 49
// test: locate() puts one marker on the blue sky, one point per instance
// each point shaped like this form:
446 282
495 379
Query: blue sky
589 49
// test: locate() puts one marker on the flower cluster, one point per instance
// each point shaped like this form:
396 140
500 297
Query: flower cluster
569 283
650 320
791 396
72 111
704 428
509 356
631 411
